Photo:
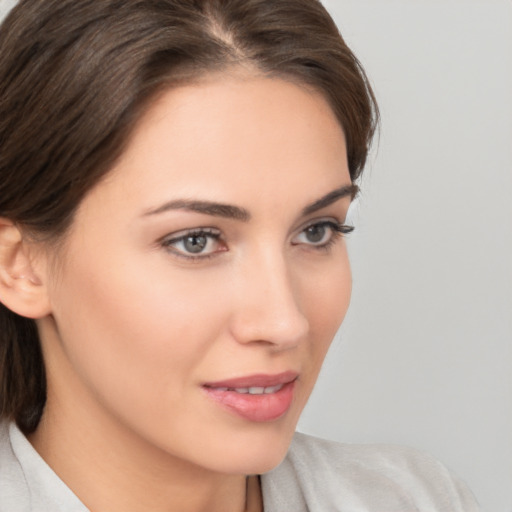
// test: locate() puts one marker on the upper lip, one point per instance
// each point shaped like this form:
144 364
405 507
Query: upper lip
256 380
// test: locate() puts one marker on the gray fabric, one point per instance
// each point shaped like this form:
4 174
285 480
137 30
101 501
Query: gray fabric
319 475
316 476
27 484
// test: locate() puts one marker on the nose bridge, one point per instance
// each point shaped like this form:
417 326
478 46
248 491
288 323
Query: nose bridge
269 306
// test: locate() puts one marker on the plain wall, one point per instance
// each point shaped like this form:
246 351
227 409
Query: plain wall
5 6
424 357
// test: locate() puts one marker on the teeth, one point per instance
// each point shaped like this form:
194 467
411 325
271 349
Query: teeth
273 389
255 390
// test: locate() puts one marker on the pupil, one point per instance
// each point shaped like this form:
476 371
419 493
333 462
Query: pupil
195 243
315 233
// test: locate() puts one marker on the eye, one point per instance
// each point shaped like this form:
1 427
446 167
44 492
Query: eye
198 243
321 234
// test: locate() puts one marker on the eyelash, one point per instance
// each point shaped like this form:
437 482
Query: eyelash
338 231
210 233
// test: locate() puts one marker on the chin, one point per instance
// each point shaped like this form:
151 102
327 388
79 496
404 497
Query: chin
254 461
256 452
247 447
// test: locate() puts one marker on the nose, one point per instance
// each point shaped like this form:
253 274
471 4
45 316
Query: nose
268 304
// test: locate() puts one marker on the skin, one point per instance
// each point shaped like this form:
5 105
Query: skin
136 328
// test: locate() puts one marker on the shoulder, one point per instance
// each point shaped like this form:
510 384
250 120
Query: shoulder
349 477
27 483
14 493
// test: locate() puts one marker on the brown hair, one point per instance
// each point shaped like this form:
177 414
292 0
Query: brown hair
76 75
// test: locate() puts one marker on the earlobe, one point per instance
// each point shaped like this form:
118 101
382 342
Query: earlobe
22 288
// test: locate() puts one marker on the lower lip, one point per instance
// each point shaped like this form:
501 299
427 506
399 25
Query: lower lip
257 408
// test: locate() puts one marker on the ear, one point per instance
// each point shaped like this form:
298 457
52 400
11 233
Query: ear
22 287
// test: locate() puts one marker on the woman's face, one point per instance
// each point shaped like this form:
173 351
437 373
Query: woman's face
203 280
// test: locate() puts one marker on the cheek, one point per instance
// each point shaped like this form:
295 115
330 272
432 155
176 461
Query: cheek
327 299
133 332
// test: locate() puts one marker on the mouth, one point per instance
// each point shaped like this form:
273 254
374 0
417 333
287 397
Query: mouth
254 390
256 398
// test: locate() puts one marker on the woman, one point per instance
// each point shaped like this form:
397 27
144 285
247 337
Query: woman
175 177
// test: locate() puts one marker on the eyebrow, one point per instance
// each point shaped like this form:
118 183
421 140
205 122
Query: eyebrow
344 191
205 207
241 214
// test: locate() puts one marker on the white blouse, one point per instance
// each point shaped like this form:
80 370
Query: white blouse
316 476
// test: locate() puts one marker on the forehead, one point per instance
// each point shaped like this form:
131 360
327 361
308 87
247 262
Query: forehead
231 137
245 119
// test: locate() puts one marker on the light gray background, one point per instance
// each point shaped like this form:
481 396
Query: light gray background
5 6
424 357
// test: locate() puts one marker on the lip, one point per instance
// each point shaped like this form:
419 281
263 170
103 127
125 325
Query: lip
254 407
257 380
